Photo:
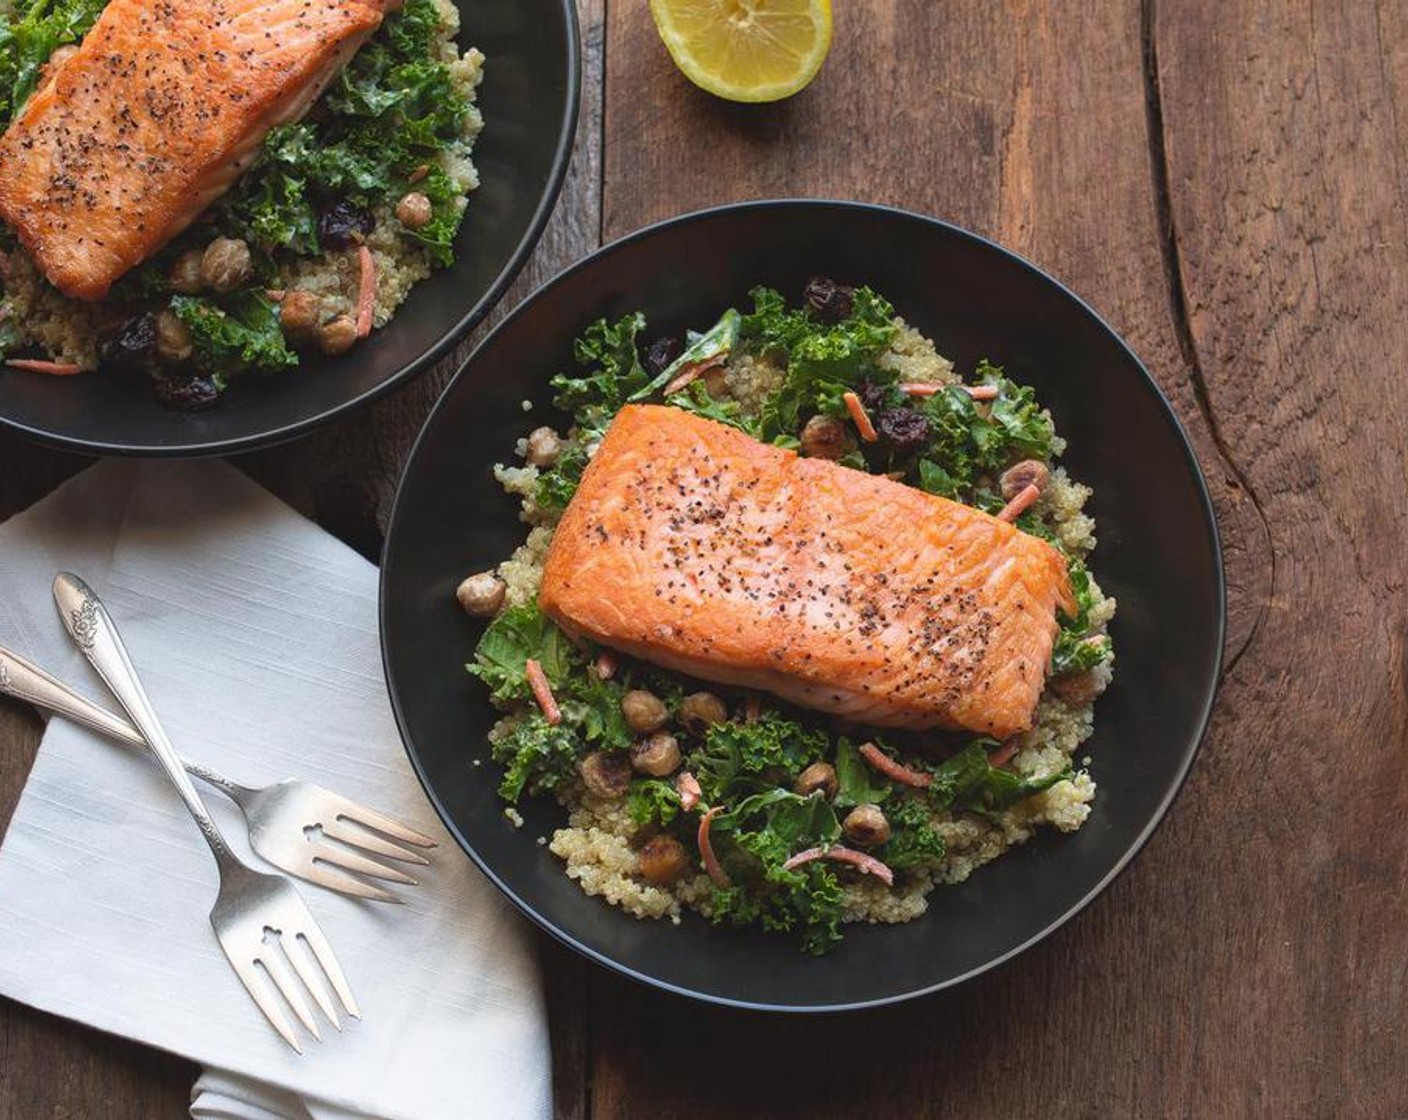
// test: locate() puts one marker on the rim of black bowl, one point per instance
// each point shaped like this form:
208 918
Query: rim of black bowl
562 157
1203 717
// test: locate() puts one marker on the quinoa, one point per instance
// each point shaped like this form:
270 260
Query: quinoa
596 845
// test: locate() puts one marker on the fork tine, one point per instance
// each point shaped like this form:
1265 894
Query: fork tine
282 976
360 814
257 985
349 860
323 951
357 836
326 875
298 954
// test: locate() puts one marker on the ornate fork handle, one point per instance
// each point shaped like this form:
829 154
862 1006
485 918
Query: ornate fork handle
89 624
25 681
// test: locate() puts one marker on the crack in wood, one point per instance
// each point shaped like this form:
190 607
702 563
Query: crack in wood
1181 314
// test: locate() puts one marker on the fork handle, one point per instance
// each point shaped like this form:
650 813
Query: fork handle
26 681
90 625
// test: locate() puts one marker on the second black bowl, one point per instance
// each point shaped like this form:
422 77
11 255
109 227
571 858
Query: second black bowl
1158 555
529 99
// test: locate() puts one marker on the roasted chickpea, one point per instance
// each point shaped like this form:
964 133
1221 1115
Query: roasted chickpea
866 826
186 276
656 755
481 594
716 381
663 860
173 339
644 711
544 446
337 335
826 437
226 264
817 776
1017 477
607 774
700 709
300 315
414 210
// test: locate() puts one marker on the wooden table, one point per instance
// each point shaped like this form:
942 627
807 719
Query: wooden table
1225 183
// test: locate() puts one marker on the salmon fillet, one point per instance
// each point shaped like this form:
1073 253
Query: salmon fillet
157 113
693 546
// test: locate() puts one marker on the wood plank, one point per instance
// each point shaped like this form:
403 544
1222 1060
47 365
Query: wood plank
1285 133
344 477
1029 122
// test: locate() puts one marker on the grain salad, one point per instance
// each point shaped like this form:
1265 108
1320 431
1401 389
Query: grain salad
812 821
317 243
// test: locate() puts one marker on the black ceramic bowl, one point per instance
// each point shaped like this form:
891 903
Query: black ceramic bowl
529 99
1158 555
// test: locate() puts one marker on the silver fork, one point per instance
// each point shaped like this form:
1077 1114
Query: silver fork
301 828
261 923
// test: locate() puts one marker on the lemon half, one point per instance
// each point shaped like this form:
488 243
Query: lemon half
746 50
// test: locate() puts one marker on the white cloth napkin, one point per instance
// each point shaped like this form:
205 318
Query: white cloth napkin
256 635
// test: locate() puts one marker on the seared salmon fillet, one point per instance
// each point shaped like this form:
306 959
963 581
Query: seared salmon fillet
693 546
155 115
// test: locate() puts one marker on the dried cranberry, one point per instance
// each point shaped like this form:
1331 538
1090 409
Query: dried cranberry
132 346
186 394
905 430
829 301
344 224
874 397
661 353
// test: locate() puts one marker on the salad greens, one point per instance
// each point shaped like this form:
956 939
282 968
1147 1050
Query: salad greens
390 112
376 134
747 765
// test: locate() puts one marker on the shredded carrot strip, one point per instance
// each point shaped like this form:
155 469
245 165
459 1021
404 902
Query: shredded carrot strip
706 848
1003 755
687 786
1019 505
861 417
35 365
419 173
841 854
606 664
542 691
921 388
982 392
366 291
892 769
692 372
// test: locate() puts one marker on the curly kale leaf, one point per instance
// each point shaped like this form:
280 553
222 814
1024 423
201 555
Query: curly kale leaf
651 801
509 642
29 36
854 779
806 898
823 361
612 372
969 781
241 333
536 756
913 838
734 750
1076 650
557 484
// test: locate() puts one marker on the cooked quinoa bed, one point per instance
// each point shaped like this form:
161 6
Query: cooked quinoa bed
599 842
